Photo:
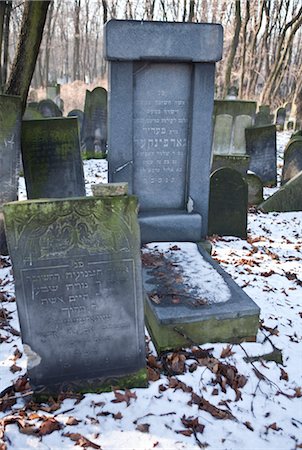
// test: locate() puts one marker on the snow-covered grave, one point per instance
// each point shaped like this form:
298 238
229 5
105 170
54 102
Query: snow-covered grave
220 396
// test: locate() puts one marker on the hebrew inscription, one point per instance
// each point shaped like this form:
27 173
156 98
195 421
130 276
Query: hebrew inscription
161 125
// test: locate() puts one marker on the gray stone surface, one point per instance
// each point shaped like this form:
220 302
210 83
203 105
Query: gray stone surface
142 40
51 158
222 136
255 189
80 116
280 117
77 271
287 198
241 122
94 130
10 151
235 108
261 146
263 116
109 189
53 91
157 125
292 160
228 203
237 162
48 108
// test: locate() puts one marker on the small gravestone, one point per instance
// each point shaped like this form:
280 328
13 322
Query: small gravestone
280 117
48 108
228 203
77 271
52 92
222 134
31 114
240 124
261 146
255 189
287 198
10 130
292 160
232 93
80 116
263 116
240 163
95 122
51 158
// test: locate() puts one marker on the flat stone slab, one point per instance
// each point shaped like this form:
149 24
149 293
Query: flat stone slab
191 299
109 189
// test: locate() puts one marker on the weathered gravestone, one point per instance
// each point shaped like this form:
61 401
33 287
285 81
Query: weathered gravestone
80 116
31 114
52 92
228 203
10 130
77 271
160 123
48 108
280 117
263 116
261 146
292 160
255 189
232 93
95 122
51 158
287 198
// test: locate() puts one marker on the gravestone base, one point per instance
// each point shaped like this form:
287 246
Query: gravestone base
181 325
137 379
237 162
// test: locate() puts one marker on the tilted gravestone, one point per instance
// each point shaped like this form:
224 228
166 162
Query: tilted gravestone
255 189
52 161
263 116
280 117
10 151
48 108
95 122
77 271
292 160
160 133
287 198
261 146
228 203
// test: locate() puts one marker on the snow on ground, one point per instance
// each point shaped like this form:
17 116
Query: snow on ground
218 396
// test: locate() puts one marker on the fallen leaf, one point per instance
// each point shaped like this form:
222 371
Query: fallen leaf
72 421
81 441
204 405
14 368
153 375
284 375
184 432
227 351
49 426
143 427
126 397
273 426
248 425
118 416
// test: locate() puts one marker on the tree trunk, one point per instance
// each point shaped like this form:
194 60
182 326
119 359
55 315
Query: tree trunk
2 17
6 40
76 47
31 33
234 45
242 68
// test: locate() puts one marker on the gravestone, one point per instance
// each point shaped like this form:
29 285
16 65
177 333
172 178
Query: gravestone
31 114
95 122
240 124
232 93
280 117
51 158
80 116
222 135
292 159
10 129
228 203
48 108
157 127
287 198
261 146
77 271
240 163
255 189
52 92
160 134
263 116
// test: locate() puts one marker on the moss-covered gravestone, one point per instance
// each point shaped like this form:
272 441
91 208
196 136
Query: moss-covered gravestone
48 108
228 203
80 116
95 122
52 160
10 129
292 160
287 198
77 271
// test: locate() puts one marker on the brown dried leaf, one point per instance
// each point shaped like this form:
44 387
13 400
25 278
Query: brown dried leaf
191 422
143 427
153 375
184 432
72 421
204 405
174 383
248 425
118 416
284 375
274 426
126 397
49 426
154 298
14 368
81 441
227 351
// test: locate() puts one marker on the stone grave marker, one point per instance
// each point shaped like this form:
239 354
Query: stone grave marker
240 124
292 160
287 198
80 116
95 122
255 189
240 163
261 146
160 136
10 151
77 270
263 116
228 203
52 92
48 108
222 135
280 117
51 158
232 93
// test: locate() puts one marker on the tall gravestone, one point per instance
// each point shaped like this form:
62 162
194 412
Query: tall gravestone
280 117
263 116
10 130
80 117
77 271
160 133
228 203
292 160
261 146
160 108
52 160
95 122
